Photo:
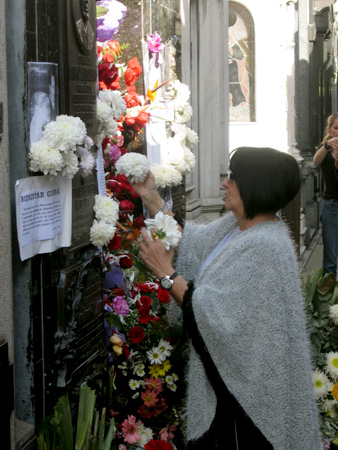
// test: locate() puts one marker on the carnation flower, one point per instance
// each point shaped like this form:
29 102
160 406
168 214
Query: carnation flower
146 434
114 153
165 228
87 161
101 233
166 176
115 100
134 165
107 125
88 142
334 313
70 164
158 444
154 42
120 306
332 364
106 209
45 159
65 133
320 383
183 112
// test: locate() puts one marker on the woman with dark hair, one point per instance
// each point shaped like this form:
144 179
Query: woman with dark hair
237 283
327 157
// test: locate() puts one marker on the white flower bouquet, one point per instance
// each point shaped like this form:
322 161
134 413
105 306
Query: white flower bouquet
135 166
64 149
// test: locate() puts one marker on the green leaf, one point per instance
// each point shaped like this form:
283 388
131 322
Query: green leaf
63 418
82 434
109 437
85 414
101 11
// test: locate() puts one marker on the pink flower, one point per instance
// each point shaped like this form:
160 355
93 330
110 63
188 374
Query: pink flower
154 42
114 153
166 434
120 306
156 384
129 430
149 398
120 140
122 447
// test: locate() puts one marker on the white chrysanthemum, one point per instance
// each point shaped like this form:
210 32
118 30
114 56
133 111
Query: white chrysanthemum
88 142
155 356
189 159
146 434
320 383
166 176
328 405
191 138
65 133
183 112
334 313
182 91
165 347
70 163
165 228
87 161
106 209
136 395
123 365
332 364
134 165
107 126
175 377
134 384
45 159
179 129
115 101
101 233
140 372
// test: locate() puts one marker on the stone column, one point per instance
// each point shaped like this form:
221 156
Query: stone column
205 53
6 296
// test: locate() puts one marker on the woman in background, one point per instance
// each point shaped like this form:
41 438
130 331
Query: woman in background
327 157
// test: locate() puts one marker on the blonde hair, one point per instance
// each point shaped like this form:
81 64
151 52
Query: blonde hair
330 121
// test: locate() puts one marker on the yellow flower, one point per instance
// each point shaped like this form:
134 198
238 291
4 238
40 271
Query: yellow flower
116 340
153 370
117 349
335 391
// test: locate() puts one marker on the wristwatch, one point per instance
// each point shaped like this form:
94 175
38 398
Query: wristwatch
327 146
167 281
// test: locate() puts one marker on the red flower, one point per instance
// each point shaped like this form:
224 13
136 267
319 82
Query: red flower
133 71
143 301
136 335
126 351
139 222
127 206
132 98
115 243
144 315
148 287
108 73
142 119
158 444
126 262
163 295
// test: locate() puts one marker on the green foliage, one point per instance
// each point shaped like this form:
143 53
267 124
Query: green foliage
56 432
321 292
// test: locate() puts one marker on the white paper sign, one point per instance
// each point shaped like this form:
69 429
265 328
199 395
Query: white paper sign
101 179
43 214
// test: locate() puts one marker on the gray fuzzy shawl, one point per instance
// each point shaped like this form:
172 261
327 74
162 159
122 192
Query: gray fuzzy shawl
249 310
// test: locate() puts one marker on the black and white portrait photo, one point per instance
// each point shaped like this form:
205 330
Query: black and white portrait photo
43 97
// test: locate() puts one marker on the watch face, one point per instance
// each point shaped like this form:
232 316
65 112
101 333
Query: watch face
166 283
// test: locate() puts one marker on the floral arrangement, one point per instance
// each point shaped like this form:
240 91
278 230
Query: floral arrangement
321 303
64 149
144 357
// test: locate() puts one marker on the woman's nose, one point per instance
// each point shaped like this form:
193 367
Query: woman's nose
225 182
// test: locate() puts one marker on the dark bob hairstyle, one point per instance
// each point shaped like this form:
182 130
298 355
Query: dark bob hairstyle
267 179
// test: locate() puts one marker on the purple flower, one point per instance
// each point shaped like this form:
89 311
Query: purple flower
113 278
114 153
120 306
108 25
154 42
